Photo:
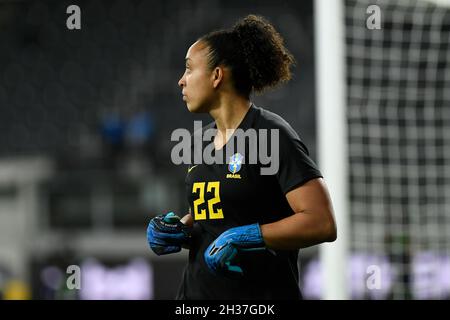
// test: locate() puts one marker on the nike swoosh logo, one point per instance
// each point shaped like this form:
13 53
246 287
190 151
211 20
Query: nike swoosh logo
191 168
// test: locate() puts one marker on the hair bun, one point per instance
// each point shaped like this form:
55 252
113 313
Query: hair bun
267 59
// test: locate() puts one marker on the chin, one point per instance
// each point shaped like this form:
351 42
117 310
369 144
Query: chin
194 109
190 108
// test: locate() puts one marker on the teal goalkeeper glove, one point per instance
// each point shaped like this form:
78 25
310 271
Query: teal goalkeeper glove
166 234
220 254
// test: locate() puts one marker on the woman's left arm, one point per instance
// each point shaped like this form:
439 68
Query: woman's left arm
312 223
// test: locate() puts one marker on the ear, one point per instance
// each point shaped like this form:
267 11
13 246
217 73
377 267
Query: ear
217 76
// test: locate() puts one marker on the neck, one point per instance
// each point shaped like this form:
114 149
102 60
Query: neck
229 112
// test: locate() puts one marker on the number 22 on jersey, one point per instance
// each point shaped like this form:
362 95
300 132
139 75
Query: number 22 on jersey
199 189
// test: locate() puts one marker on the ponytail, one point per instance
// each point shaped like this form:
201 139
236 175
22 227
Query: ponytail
255 53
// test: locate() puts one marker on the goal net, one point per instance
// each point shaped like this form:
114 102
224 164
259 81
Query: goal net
397 107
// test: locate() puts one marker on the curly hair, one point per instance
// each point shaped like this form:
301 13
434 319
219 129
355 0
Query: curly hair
255 53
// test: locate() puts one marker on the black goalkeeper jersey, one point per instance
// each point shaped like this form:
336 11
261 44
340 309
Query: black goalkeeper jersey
223 196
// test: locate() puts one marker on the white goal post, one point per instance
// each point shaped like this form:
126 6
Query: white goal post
332 133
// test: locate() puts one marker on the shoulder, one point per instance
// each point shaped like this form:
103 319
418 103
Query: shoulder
270 120
288 137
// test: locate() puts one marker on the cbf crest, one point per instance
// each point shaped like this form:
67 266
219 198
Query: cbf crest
235 165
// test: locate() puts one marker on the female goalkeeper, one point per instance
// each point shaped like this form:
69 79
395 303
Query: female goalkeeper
245 228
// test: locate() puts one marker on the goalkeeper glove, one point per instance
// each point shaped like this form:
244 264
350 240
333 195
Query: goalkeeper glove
166 234
221 252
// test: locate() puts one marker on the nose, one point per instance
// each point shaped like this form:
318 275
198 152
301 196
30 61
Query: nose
181 82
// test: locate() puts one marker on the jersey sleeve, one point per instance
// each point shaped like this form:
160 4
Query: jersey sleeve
295 167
